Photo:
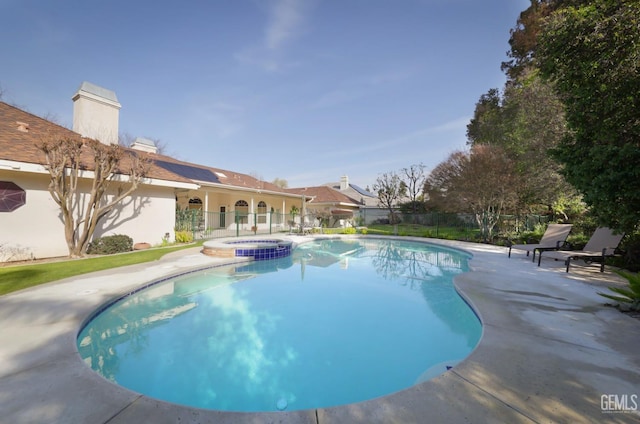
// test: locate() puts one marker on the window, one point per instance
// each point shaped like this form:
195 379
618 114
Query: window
195 203
262 212
242 212
12 196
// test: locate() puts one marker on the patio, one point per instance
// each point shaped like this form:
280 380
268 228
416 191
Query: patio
550 352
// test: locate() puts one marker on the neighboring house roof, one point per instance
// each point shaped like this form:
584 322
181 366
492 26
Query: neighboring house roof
358 195
324 195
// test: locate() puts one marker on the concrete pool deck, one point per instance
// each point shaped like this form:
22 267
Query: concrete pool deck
551 352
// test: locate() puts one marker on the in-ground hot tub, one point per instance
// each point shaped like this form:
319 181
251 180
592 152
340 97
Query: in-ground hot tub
258 249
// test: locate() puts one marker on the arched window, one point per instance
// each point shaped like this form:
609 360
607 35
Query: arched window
195 203
262 212
242 212
197 218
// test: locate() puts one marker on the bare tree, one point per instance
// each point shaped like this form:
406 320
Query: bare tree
481 181
414 179
125 139
390 188
112 172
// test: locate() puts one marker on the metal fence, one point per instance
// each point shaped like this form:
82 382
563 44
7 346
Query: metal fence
506 223
206 225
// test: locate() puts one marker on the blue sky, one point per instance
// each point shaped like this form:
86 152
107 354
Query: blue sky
304 90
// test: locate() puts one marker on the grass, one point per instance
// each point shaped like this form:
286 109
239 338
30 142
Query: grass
13 278
442 232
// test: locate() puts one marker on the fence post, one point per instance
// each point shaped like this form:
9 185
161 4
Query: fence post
193 224
254 227
237 224
270 222
437 224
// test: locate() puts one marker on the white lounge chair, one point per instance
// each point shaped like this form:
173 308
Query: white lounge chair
552 239
602 243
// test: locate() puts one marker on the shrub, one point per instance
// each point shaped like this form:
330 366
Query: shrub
109 245
184 236
628 297
631 248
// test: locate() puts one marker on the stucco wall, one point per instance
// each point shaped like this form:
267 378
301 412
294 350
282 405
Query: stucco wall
146 216
213 199
35 230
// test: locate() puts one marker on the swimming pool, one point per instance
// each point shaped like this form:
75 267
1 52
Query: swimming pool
337 322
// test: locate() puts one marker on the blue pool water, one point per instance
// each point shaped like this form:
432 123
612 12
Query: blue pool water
339 321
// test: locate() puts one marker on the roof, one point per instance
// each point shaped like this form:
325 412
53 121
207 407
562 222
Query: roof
356 194
362 191
21 132
324 194
209 175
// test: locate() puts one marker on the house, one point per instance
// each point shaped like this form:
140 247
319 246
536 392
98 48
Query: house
340 204
326 206
30 220
369 209
228 202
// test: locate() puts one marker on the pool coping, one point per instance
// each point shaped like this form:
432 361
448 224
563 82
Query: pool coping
248 246
550 351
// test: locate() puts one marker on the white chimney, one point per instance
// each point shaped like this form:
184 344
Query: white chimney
344 182
144 145
96 113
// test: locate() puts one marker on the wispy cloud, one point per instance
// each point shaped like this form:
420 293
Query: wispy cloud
360 87
219 120
388 77
265 60
335 97
455 125
285 23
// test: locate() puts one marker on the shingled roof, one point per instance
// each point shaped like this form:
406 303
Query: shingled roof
213 176
21 132
324 194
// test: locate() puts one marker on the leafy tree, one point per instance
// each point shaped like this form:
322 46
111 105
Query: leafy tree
390 188
413 207
479 181
488 123
523 38
112 172
526 121
280 182
591 54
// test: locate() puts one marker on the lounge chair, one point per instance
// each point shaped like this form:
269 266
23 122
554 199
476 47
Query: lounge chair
552 239
602 244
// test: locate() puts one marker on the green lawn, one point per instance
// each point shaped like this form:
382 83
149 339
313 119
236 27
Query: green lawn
442 232
13 278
